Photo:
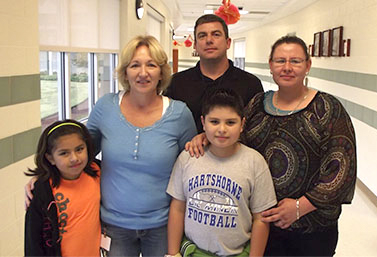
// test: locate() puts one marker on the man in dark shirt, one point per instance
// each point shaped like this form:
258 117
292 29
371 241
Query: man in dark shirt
211 41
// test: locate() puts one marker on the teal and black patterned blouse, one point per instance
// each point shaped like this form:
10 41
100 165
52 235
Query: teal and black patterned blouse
311 152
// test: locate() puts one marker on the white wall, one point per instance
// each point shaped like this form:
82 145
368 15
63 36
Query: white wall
130 26
19 56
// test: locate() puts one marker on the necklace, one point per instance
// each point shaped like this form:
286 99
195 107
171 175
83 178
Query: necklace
290 112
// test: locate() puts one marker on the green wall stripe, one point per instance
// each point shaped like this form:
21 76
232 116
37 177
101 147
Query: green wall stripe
19 89
18 146
360 112
194 61
257 65
354 79
265 78
5 92
6 151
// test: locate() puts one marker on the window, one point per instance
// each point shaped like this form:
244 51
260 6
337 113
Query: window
79 86
49 70
104 74
239 53
71 83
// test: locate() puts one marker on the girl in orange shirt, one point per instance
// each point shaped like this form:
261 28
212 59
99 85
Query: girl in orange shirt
63 217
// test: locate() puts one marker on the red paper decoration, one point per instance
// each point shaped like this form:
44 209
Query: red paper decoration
176 43
188 41
228 12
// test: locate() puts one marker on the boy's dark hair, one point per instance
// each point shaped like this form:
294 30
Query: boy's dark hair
223 97
47 140
290 40
207 18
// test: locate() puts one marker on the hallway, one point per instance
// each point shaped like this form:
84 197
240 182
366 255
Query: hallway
358 227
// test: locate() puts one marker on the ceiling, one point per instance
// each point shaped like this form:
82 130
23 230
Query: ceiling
185 12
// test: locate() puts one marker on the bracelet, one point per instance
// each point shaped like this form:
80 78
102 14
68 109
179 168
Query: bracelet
297 209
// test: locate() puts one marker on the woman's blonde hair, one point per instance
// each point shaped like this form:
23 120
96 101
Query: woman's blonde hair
157 53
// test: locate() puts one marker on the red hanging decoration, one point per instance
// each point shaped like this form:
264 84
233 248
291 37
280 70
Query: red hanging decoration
176 43
228 12
188 41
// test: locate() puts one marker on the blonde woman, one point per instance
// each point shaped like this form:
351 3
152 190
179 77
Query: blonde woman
140 134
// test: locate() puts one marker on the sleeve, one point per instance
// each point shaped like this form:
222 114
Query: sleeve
263 194
337 179
94 124
175 186
33 230
188 128
257 87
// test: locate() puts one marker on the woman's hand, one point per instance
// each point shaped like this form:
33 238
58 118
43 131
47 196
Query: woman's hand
28 194
196 146
288 211
283 215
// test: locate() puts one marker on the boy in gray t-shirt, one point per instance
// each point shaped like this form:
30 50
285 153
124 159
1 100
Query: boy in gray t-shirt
218 198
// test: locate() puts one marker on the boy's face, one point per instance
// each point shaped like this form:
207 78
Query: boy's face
223 126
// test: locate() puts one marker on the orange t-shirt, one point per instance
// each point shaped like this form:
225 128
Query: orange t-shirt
78 204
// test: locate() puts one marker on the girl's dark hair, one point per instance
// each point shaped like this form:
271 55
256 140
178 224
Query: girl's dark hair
47 141
290 40
223 97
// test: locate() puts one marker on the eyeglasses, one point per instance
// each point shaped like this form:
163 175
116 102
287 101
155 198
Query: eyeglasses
293 61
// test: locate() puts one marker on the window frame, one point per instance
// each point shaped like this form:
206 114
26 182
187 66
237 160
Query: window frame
64 84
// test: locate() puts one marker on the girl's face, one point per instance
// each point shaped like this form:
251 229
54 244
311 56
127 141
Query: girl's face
69 155
143 73
223 126
289 65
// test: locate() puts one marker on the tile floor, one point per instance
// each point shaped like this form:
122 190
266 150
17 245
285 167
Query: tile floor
358 227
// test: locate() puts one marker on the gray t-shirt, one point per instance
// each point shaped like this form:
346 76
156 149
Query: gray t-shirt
221 194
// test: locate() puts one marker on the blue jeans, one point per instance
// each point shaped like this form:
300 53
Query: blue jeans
129 242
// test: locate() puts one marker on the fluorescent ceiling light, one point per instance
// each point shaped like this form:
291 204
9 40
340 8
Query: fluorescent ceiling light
207 11
178 37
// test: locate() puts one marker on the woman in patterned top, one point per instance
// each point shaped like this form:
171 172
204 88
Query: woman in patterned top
308 141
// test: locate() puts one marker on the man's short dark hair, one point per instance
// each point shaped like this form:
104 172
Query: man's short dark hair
207 18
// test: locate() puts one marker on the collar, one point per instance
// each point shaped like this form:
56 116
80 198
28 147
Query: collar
200 75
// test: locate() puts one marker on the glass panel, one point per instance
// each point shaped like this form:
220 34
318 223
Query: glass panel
79 89
48 63
239 62
104 74
239 53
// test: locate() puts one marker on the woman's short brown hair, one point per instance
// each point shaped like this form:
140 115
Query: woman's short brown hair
157 53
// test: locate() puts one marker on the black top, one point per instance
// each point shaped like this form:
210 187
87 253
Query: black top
41 223
191 85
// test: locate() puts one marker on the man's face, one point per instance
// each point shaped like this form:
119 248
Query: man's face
210 41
